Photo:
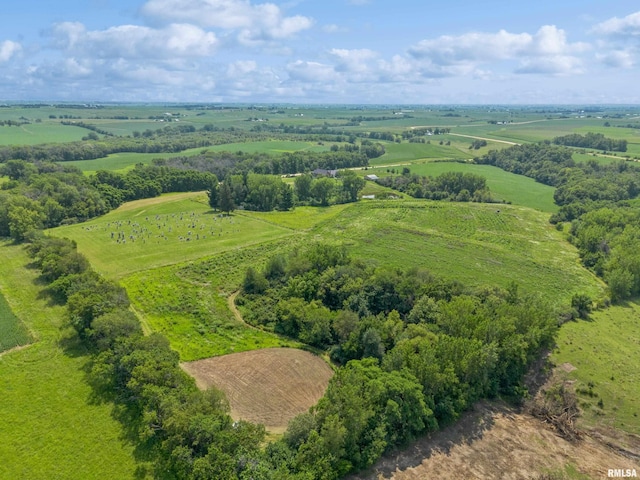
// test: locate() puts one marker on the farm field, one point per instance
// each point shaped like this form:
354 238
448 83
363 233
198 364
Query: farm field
49 418
35 133
601 355
505 186
12 331
147 233
269 386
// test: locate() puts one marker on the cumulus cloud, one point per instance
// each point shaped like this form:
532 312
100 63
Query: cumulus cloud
626 26
133 41
9 49
548 47
256 22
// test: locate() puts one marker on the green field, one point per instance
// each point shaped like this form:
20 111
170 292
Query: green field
12 331
161 231
604 351
35 133
51 427
478 244
188 303
504 186
121 162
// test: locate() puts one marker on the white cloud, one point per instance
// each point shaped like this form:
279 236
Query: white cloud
627 26
314 72
617 59
256 22
133 41
9 49
456 55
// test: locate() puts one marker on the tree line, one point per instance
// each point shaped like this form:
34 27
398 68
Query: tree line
453 186
592 140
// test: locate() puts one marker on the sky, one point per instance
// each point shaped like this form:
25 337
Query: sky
321 51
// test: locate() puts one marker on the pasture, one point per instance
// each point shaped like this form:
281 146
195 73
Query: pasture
601 354
12 332
52 427
161 231
268 386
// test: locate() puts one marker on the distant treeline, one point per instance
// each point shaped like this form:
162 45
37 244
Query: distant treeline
599 199
592 140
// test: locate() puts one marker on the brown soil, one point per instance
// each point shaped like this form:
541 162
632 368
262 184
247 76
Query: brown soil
495 442
269 386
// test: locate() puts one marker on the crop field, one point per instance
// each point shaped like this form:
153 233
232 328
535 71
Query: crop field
36 133
51 426
407 152
601 353
12 331
505 186
148 233
268 386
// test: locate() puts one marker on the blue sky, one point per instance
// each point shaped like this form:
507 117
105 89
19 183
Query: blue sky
331 51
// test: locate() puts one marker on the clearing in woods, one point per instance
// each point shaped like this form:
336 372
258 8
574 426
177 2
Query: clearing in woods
269 386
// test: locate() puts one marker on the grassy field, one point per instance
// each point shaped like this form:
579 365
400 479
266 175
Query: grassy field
36 133
604 351
12 332
479 244
160 231
517 189
51 427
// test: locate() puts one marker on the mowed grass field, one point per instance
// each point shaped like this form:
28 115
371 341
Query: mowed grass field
51 426
604 350
160 231
12 332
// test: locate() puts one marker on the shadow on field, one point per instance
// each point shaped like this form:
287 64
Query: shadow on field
468 429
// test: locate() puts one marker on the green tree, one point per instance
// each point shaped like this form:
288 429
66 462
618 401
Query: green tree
322 189
352 184
285 202
22 221
302 186
225 200
212 193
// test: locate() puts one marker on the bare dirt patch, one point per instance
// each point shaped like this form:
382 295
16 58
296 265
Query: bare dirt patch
269 386
495 442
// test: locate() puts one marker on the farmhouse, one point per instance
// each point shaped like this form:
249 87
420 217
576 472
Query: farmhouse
373 177
321 172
